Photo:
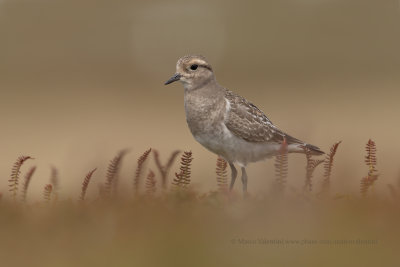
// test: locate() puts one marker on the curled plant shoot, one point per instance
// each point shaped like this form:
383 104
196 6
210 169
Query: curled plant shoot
140 164
15 173
85 184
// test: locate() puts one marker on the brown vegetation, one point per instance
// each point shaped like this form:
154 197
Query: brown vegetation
310 168
281 166
222 175
139 168
151 184
15 172
27 181
328 165
47 192
182 179
370 160
85 184
164 169
111 183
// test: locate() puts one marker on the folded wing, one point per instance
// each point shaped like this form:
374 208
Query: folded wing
248 122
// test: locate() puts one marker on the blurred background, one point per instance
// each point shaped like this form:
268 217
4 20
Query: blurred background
81 80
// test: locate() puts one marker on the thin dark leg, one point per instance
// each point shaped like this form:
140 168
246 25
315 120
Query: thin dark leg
234 175
244 180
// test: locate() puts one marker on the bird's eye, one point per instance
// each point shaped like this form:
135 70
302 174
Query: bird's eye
194 67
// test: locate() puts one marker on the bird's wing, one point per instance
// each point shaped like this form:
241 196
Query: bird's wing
248 122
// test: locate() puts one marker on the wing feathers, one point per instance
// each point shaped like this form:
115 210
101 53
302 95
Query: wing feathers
248 122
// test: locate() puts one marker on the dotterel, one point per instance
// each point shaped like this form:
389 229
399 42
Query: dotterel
226 123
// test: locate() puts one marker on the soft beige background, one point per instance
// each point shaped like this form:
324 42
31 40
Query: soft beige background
81 80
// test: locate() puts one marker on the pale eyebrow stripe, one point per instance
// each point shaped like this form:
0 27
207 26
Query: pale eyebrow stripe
206 66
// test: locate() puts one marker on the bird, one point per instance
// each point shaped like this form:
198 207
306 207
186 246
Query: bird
226 123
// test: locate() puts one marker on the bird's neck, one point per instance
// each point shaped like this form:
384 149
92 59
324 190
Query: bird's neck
210 90
204 107
204 99
199 84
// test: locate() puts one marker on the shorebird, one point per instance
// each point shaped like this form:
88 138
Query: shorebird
226 123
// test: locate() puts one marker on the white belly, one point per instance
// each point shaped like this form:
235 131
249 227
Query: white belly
234 149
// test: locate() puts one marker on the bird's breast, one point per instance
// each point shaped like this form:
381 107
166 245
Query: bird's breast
204 115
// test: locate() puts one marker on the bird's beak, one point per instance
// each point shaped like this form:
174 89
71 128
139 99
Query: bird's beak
174 78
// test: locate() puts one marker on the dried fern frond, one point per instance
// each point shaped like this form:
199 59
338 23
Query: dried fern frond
48 189
151 184
310 168
328 165
281 166
182 179
138 172
366 183
164 170
27 180
112 173
85 184
15 172
222 175
370 160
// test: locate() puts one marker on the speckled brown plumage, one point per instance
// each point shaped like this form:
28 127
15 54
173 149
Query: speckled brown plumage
248 122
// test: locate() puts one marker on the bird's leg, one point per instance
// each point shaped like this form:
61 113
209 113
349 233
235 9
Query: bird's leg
244 180
234 174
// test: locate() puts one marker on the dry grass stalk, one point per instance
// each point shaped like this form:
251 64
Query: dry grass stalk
139 168
112 173
27 181
15 172
222 175
310 168
164 169
151 184
182 179
85 184
48 189
328 165
370 160
281 166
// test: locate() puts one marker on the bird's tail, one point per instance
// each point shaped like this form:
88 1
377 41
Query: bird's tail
297 146
314 149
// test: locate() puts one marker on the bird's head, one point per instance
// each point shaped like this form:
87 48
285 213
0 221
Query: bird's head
193 71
